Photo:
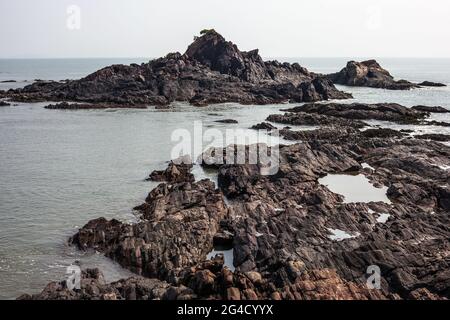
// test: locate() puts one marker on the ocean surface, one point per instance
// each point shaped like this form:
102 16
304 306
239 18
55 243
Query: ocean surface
59 169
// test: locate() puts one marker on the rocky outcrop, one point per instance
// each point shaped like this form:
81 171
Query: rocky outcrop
212 70
368 74
94 287
431 109
174 173
211 280
431 84
392 112
263 126
279 226
330 134
85 106
433 136
326 284
311 119
229 121
179 223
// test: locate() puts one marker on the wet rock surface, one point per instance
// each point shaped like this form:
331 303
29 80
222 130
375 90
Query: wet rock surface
212 70
369 74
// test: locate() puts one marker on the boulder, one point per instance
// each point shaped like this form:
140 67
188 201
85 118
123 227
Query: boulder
368 74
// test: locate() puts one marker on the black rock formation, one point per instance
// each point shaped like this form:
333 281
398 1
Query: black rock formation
212 70
431 84
368 74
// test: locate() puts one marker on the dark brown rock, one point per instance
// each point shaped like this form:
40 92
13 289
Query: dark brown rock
180 221
310 119
280 228
263 126
174 173
85 106
431 84
430 109
94 287
382 133
369 74
434 136
330 134
279 225
227 121
212 70
361 111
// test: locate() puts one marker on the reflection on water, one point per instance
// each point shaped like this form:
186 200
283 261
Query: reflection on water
354 188
228 257
383 218
340 235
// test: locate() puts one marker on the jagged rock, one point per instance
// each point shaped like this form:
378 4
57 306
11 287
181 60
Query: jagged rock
368 74
434 136
436 123
85 106
430 109
263 126
93 287
431 84
327 285
174 173
330 134
179 223
212 70
310 119
226 121
279 215
362 111
281 243
382 133
223 239
210 280
279 225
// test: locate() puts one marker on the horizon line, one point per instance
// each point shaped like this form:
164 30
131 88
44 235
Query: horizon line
264 57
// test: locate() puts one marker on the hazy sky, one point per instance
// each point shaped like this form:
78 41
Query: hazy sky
282 28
